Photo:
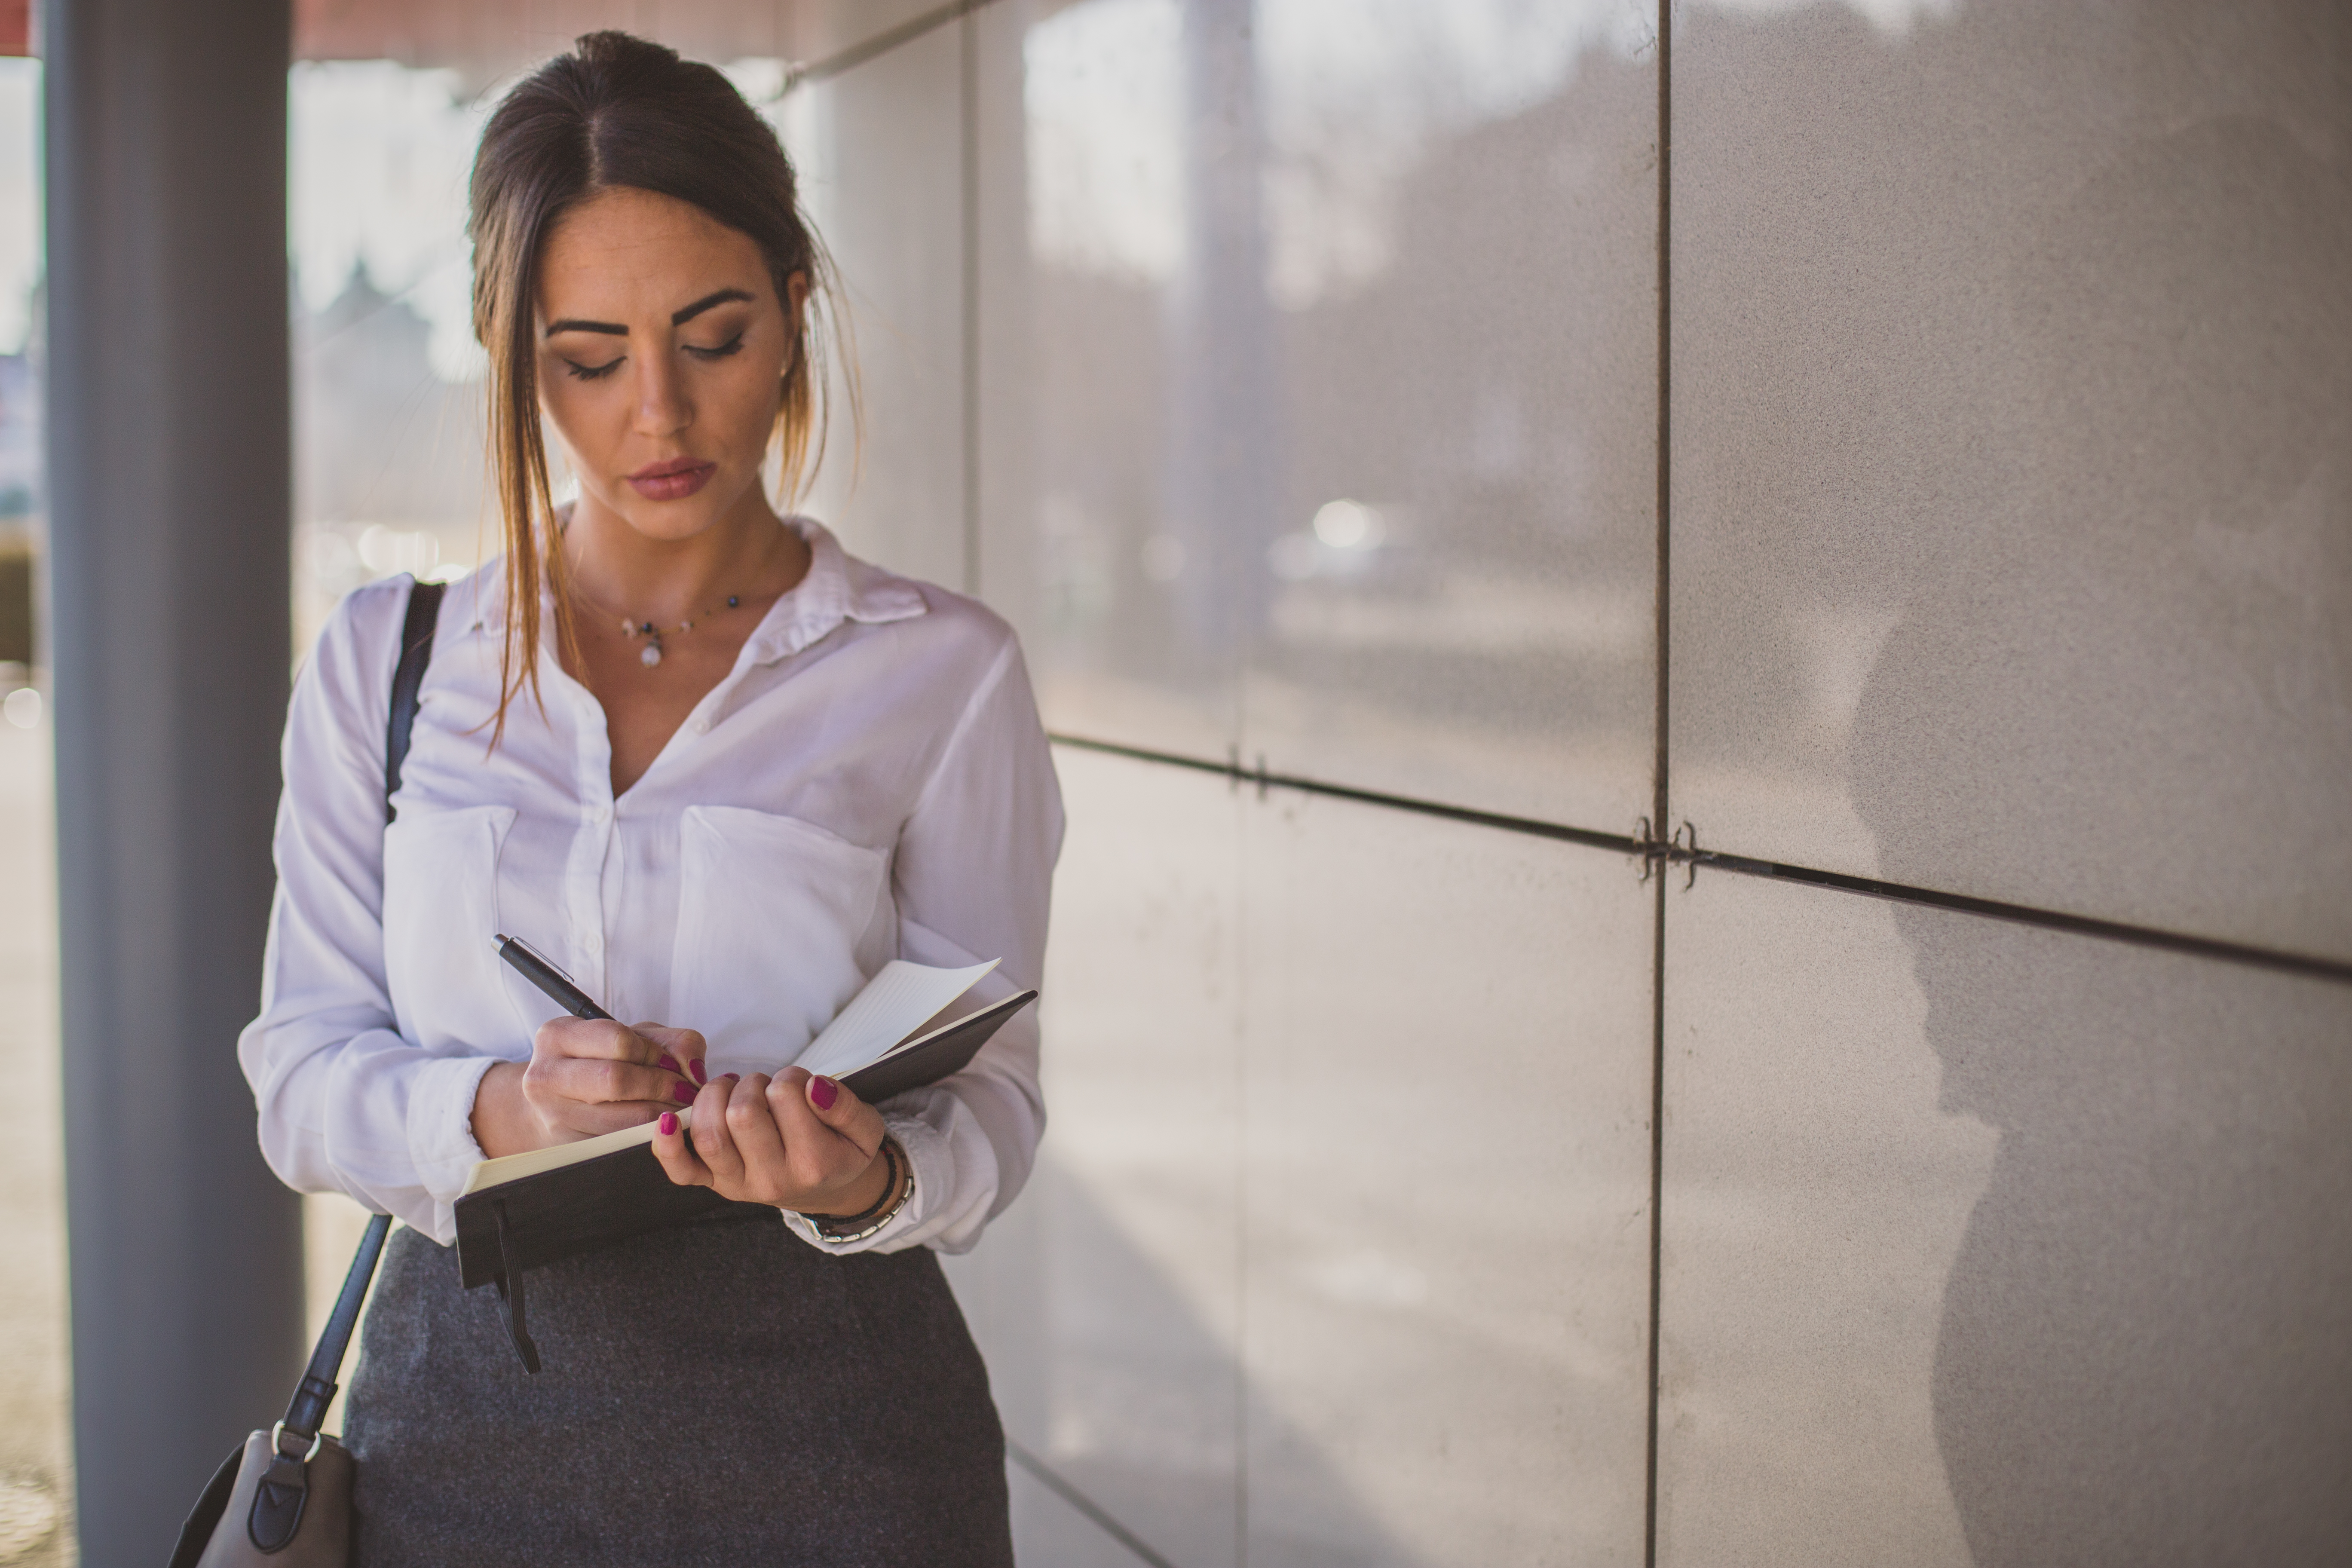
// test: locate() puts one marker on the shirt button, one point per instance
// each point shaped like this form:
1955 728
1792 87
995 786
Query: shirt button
702 726
604 814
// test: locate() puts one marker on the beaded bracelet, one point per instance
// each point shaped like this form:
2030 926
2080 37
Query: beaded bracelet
884 1210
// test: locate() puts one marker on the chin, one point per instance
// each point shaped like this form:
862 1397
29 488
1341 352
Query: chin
684 518
671 520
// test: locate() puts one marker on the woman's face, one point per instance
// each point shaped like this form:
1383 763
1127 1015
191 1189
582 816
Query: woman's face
662 350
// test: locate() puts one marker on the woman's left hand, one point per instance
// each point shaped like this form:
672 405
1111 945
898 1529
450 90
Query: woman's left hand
796 1142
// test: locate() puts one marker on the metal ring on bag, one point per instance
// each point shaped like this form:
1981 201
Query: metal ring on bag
276 1431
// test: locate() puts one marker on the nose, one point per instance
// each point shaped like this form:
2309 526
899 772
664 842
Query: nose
662 405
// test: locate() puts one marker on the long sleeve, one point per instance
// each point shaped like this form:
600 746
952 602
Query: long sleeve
973 879
347 1104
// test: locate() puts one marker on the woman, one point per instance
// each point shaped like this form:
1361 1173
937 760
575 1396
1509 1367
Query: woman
721 772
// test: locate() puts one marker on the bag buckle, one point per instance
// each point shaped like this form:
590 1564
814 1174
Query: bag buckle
278 1433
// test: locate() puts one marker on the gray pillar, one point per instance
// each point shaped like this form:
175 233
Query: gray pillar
169 509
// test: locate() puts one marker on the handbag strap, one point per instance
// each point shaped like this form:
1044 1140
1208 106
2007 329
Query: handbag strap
282 1493
407 680
317 1390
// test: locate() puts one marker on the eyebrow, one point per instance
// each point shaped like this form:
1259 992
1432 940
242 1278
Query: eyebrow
724 296
677 318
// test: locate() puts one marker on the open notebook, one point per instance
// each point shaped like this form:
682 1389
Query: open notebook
885 1042
526 1210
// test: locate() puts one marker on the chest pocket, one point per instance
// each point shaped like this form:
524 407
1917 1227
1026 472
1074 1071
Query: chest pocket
778 925
440 912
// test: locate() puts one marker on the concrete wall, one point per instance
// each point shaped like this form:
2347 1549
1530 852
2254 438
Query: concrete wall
1990 414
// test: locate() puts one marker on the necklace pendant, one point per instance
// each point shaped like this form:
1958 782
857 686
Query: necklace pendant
651 657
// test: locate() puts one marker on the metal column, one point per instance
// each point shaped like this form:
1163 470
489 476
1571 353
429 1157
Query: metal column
169 506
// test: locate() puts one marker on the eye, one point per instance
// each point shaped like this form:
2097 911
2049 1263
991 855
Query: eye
593 371
732 345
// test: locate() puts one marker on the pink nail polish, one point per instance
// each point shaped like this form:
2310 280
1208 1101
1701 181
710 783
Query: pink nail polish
701 1075
680 1093
734 1077
668 1123
823 1092
669 1063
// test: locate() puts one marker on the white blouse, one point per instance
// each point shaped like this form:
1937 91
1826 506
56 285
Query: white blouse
870 782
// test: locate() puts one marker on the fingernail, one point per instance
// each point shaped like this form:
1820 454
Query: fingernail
734 1077
695 1067
669 1063
668 1123
680 1093
823 1092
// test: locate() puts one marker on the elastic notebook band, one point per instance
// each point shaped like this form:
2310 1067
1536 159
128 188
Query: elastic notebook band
510 1292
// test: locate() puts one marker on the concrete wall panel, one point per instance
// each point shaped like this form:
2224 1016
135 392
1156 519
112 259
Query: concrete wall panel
1445 1097
1995 1245
2012 385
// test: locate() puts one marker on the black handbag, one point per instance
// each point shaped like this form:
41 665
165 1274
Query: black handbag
283 1499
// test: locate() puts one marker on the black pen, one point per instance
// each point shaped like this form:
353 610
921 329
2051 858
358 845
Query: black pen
547 977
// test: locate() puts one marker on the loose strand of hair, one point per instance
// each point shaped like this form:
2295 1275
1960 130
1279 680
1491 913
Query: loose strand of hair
525 500
805 423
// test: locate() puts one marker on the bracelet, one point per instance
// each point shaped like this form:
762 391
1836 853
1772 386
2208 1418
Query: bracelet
889 1189
881 1214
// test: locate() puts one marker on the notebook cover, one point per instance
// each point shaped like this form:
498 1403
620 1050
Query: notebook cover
950 1052
597 1203
574 1209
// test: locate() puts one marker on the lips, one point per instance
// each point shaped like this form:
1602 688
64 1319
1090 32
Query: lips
672 479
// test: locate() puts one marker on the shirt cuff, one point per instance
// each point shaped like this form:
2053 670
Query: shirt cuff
441 1132
928 1152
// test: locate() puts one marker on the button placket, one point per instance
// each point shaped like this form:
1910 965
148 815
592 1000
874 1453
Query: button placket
585 872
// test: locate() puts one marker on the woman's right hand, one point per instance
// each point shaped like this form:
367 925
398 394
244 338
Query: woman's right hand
586 1077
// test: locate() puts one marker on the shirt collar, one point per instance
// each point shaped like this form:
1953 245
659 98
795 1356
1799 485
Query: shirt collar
837 587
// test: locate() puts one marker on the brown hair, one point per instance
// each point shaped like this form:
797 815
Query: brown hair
620 112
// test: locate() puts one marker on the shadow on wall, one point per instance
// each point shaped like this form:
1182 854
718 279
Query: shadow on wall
2143 1357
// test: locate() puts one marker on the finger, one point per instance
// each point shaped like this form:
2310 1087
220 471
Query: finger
579 1118
596 1081
832 1105
683 1051
677 1154
599 1039
753 1128
712 1140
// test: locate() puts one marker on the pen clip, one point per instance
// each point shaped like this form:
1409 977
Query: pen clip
541 958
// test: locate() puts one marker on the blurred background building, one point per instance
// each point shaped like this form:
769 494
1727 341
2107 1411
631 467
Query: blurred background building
1702 659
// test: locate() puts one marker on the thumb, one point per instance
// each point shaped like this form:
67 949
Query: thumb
837 1106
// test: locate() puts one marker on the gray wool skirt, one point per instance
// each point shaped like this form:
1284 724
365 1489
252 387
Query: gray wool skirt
717 1393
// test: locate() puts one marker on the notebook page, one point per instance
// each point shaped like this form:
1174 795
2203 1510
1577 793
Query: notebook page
897 1001
514 1167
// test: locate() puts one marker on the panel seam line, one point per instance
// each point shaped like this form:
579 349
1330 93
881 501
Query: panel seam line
1667 853
1661 798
